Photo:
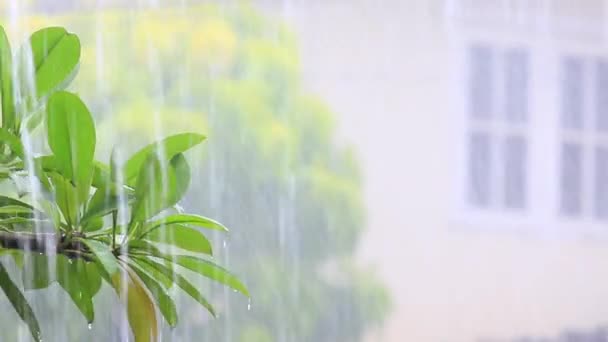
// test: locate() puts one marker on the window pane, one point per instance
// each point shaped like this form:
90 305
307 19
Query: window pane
572 94
515 172
601 183
480 168
480 82
601 96
571 179
516 85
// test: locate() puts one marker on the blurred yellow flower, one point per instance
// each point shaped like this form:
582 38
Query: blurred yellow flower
213 41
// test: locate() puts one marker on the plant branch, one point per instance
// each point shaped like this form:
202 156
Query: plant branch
45 243
39 242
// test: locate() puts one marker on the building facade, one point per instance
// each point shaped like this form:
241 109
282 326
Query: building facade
482 127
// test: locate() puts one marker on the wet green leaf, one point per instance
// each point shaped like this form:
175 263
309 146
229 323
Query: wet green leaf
166 149
71 137
12 142
195 220
20 304
207 269
73 276
181 169
56 55
38 271
140 307
182 282
6 83
152 193
5 200
142 246
182 237
210 270
165 279
103 254
93 224
93 277
66 197
163 301
101 204
14 210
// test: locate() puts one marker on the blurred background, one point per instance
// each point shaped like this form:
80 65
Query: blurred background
398 170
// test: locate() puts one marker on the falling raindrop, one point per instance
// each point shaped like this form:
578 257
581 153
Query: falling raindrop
249 305
90 326
224 243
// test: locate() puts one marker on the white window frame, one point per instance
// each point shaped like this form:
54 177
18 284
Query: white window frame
546 52
588 138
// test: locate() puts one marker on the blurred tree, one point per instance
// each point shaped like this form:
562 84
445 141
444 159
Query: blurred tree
272 170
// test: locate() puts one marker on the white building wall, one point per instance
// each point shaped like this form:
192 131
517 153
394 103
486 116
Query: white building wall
391 71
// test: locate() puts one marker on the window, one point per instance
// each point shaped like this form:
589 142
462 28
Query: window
497 142
584 138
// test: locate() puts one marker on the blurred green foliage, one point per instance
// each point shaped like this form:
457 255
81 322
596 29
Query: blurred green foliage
273 169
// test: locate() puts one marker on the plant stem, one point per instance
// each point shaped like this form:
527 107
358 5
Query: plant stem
114 217
43 243
40 242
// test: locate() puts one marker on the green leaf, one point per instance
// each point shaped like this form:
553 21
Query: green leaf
101 175
34 119
73 276
165 279
162 299
189 219
152 193
207 269
93 278
140 307
141 246
159 186
182 237
103 254
66 197
71 137
5 200
12 142
101 204
17 256
15 210
56 55
51 211
93 224
166 148
102 178
17 299
179 166
6 83
20 220
37 272
182 282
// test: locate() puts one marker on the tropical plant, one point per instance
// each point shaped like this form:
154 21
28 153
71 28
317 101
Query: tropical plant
67 218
